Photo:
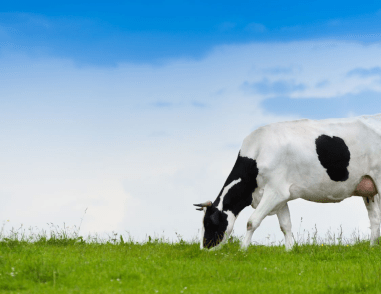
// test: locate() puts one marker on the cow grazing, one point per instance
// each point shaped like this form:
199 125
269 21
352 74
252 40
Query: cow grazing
320 161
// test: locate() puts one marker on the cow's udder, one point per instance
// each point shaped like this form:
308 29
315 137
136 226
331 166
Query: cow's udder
366 188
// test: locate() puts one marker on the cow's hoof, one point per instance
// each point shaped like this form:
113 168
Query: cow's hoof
243 248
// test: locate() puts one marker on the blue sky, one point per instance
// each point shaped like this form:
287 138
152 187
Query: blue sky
107 33
137 110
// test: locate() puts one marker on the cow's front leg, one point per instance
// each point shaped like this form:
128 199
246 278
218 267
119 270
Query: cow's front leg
285 225
374 218
271 199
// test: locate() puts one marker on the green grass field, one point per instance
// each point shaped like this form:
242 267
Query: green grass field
58 263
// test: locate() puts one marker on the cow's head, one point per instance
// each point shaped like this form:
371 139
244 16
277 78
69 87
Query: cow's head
216 225
236 194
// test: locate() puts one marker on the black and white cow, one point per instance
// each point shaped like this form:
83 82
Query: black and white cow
320 161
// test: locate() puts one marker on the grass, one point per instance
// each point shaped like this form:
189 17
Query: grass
58 262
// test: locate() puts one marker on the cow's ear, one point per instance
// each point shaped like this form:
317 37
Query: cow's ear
215 217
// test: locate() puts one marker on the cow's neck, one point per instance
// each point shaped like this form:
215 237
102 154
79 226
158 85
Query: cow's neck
239 186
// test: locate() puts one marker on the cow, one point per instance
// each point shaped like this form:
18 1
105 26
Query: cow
322 161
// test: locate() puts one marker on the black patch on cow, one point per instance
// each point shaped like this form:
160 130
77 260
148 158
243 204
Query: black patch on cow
334 156
238 197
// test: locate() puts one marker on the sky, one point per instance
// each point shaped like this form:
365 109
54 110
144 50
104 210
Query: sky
133 111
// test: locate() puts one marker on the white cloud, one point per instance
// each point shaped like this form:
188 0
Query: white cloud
73 138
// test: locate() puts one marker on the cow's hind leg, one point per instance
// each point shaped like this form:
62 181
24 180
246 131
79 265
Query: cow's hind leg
374 218
285 225
271 199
